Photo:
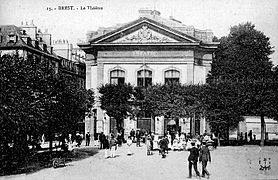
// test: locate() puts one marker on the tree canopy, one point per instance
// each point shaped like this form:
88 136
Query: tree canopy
116 100
243 67
34 100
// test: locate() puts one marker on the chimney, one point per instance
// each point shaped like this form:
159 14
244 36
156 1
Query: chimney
155 13
148 13
145 12
45 47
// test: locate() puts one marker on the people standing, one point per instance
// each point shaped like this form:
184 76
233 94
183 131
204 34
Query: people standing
129 143
169 137
193 159
250 134
138 138
113 144
132 135
106 146
215 140
204 158
101 140
88 137
78 139
163 146
148 145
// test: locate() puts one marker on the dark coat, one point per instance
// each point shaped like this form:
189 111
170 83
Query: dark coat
132 133
163 143
105 143
204 154
194 154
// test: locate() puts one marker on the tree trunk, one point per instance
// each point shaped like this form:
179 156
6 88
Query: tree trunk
50 136
262 130
228 135
218 139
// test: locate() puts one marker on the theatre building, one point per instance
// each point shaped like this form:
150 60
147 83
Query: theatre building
146 51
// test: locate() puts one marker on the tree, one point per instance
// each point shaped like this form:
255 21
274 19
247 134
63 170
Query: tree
116 100
243 60
69 106
223 110
175 101
21 117
34 100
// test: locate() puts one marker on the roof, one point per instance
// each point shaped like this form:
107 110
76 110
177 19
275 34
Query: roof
154 16
5 43
140 21
127 35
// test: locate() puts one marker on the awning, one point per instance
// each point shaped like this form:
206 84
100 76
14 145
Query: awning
171 122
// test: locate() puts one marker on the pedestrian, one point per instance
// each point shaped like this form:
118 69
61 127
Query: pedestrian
132 135
193 159
101 140
215 140
88 137
129 143
78 139
113 144
204 158
250 135
138 138
163 146
106 146
169 137
148 145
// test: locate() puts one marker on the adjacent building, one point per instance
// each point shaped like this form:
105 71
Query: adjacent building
28 40
146 51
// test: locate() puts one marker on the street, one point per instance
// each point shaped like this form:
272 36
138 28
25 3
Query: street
230 162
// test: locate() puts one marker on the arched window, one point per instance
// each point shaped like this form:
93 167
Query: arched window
172 77
117 77
144 78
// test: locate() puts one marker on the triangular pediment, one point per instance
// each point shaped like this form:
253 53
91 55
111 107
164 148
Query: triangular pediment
145 35
144 30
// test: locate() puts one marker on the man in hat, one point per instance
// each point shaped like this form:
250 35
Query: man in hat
193 159
204 158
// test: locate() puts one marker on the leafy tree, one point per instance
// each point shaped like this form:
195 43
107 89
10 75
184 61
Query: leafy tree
175 101
116 100
222 102
20 109
34 100
243 60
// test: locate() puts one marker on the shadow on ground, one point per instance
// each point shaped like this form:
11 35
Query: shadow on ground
41 160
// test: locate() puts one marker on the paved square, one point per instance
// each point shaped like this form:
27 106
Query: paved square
229 162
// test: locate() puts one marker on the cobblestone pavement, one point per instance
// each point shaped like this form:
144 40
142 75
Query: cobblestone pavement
227 163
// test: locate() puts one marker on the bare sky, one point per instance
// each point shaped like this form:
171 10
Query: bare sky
217 15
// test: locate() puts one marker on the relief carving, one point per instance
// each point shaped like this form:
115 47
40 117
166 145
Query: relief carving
145 35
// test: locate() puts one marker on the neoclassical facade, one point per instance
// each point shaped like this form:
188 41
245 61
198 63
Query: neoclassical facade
146 51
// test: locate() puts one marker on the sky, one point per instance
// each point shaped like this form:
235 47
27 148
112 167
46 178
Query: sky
72 25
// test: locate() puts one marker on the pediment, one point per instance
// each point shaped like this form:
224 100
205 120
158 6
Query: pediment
144 30
145 35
